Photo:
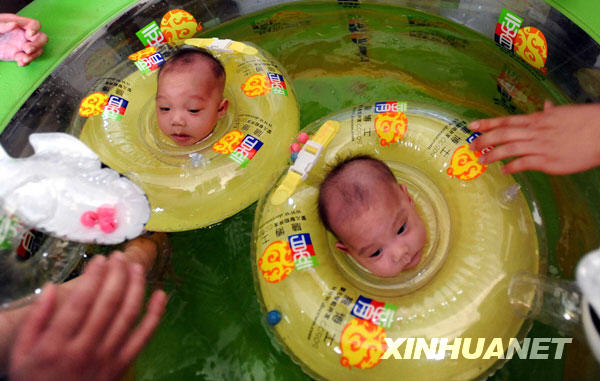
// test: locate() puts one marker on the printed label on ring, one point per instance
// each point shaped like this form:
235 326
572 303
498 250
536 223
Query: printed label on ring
302 251
378 313
278 85
381 107
528 42
9 229
115 109
149 64
246 150
150 35
507 29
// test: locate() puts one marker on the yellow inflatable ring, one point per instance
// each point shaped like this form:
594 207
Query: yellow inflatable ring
195 186
335 315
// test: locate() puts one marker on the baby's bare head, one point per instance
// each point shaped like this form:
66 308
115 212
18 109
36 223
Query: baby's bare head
189 98
185 59
350 187
372 216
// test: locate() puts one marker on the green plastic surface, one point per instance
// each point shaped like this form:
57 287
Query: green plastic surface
584 13
81 19
68 23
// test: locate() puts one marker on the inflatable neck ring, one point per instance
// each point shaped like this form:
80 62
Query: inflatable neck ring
196 186
336 314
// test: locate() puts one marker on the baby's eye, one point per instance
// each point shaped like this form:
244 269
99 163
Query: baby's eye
194 111
402 228
164 108
375 253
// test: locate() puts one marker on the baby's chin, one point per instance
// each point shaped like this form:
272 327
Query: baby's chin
184 140
413 262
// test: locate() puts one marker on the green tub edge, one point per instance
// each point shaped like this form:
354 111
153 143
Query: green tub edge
80 19
83 19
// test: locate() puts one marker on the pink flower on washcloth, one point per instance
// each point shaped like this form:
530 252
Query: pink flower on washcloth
104 217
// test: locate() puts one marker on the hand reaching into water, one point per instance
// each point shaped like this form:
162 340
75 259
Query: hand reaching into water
91 334
20 39
559 140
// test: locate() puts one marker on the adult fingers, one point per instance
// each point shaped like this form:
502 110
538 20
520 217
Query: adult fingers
509 150
548 104
500 136
36 43
36 321
71 316
137 340
505 121
107 303
129 311
6 27
36 54
25 59
31 26
22 58
7 17
542 163
526 163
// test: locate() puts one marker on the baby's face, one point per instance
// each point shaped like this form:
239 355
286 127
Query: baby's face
188 105
388 237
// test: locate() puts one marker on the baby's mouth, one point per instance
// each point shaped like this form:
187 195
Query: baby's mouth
180 137
416 258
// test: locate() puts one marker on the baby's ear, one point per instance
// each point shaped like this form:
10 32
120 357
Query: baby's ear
223 107
405 191
341 247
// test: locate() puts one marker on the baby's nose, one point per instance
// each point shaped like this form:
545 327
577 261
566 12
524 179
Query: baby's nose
178 120
400 255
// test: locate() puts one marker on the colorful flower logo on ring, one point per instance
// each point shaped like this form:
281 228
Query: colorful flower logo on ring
531 46
228 142
178 25
256 85
144 53
276 262
464 165
362 344
93 104
390 127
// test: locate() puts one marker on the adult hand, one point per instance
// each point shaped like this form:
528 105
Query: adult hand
20 39
90 335
558 140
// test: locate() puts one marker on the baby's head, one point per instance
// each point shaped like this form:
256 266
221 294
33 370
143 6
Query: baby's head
373 217
189 98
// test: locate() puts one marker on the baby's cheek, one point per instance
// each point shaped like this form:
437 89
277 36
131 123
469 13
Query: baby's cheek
161 122
423 239
421 234
379 270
